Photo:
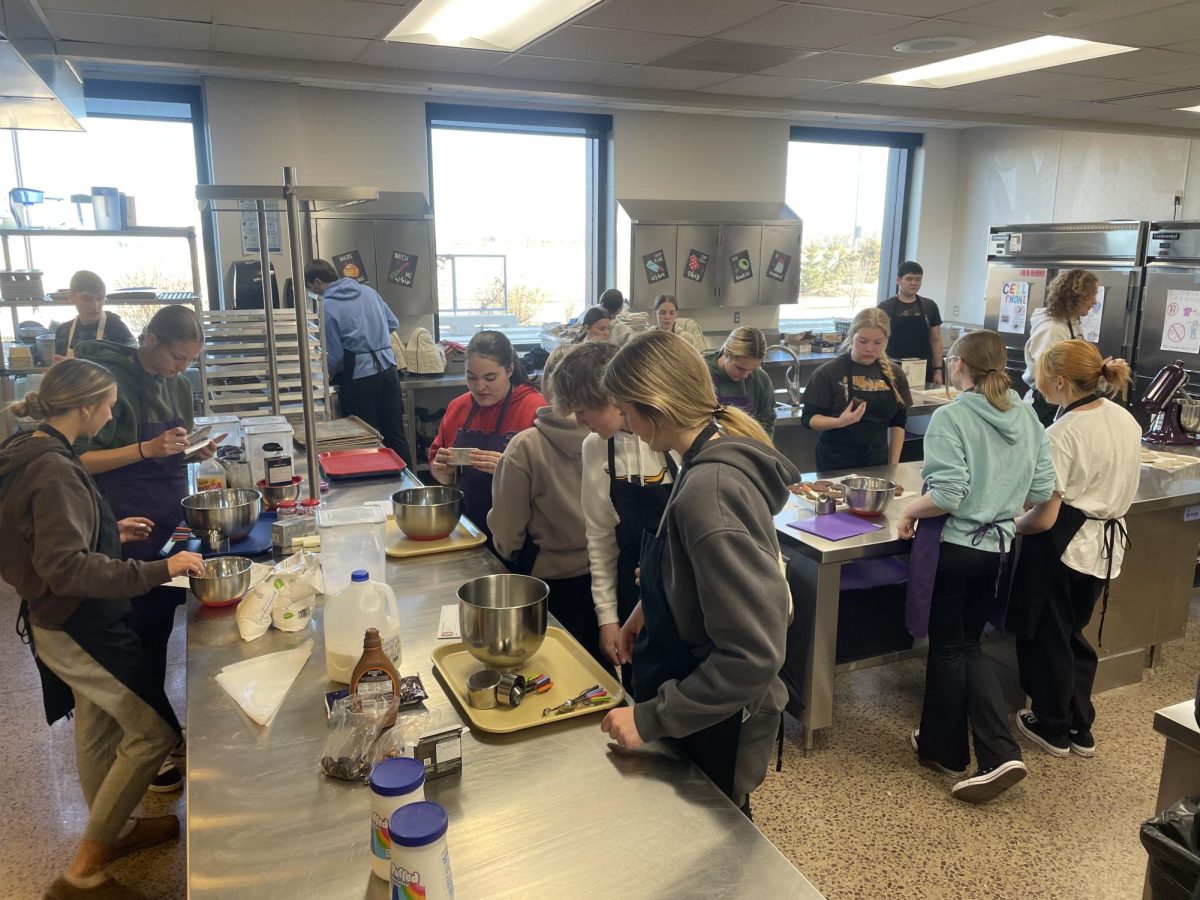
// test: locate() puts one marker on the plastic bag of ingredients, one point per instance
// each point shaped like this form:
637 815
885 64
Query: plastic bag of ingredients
284 599
354 725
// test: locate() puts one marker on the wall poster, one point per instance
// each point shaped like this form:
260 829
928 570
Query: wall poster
1181 324
1091 322
1014 306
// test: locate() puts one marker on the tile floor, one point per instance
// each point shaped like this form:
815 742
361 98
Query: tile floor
858 816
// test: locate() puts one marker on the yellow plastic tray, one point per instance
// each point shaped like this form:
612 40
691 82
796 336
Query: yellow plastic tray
465 536
570 667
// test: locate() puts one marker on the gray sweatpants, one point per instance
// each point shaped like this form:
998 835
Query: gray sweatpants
120 740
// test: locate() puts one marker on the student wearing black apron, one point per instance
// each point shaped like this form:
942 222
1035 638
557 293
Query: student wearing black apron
916 323
711 627
1069 297
858 400
62 553
1072 546
87 293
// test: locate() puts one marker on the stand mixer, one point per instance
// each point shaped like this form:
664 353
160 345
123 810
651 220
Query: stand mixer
1176 415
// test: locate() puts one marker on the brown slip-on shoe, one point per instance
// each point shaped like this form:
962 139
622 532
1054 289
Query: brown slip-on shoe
108 889
147 832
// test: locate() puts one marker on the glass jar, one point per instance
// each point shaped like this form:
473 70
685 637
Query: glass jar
287 509
309 506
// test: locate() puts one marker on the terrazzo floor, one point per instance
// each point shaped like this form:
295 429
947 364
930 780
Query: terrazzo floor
858 817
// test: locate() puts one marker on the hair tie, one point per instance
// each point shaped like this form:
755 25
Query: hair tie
1103 370
718 410
991 371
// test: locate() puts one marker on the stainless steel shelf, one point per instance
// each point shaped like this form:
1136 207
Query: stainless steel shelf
138 231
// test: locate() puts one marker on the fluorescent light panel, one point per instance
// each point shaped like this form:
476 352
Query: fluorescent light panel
504 25
1012 59
1188 109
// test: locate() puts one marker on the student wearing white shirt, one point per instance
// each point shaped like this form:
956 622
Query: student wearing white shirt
1069 298
1074 545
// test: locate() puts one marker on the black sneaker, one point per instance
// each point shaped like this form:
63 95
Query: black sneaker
168 780
1028 725
1083 743
932 763
988 784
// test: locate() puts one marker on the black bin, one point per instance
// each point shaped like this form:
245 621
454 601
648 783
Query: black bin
1172 838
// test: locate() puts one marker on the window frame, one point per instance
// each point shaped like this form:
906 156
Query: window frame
898 190
599 204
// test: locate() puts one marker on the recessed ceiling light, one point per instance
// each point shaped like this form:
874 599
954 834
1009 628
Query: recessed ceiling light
505 25
1012 59
934 45
1060 12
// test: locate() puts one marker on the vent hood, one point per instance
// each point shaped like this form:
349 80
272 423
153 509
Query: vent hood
39 90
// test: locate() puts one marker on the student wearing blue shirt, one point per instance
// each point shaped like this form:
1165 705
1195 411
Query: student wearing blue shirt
358 327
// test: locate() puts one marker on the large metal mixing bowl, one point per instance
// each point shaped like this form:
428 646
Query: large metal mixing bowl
868 496
427 513
503 619
225 515
1189 414
224 582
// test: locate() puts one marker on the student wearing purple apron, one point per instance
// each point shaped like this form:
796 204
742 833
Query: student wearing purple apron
1073 545
1069 297
499 403
624 491
137 459
739 379
858 402
87 293
986 456
708 638
62 554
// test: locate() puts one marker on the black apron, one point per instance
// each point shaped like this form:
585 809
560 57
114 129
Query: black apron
475 485
845 448
910 335
1046 411
639 508
101 629
349 357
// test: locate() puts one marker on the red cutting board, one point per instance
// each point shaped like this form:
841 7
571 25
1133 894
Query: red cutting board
361 463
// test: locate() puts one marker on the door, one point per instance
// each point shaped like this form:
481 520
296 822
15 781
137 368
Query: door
1013 292
405 265
741 272
1170 323
779 262
652 269
697 266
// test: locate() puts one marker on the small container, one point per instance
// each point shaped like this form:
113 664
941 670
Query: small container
287 509
511 690
278 466
481 689
825 505
352 537
420 855
394 783
309 507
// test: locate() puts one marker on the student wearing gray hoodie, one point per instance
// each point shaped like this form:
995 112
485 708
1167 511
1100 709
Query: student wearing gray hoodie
708 637
986 456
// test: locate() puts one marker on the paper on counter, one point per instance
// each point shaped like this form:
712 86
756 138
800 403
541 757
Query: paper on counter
1168 462
448 627
259 685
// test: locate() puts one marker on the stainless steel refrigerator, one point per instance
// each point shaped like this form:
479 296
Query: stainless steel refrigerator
1169 324
1024 259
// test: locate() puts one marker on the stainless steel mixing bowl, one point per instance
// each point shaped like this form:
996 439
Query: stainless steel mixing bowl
868 496
1189 414
229 513
503 619
427 513
274 495
226 579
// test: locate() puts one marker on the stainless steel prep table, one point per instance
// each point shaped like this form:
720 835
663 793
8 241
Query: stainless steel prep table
549 812
1148 604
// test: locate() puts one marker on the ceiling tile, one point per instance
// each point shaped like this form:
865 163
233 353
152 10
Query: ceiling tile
346 18
665 79
1032 84
875 94
699 18
814 27
985 38
1146 29
919 8
1185 47
1030 14
184 10
424 56
1132 65
260 42
768 86
730 56
1016 106
129 30
575 70
1186 78
1099 90
1167 98
606 44
836 67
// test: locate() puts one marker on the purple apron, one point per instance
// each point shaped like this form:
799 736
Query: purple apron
475 485
149 487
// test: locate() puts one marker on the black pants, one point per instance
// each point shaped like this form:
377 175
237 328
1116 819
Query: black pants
1058 665
378 401
570 602
961 686
153 620
714 750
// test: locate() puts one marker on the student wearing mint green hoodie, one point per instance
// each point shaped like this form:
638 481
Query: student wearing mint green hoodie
986 456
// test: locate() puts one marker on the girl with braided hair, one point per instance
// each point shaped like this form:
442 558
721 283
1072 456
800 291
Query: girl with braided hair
1069 298
858 402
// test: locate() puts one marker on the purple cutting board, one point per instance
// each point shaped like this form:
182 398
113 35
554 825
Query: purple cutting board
836 526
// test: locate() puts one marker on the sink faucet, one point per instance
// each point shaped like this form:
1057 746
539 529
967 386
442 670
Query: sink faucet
792 376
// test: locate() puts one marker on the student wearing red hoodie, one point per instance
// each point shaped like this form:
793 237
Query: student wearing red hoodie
499 403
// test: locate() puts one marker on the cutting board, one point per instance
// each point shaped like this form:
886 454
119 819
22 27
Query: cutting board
836 526
256 543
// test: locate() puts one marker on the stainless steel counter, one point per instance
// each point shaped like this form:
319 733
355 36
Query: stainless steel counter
549 812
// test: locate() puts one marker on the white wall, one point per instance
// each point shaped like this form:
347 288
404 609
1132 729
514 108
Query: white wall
1022 175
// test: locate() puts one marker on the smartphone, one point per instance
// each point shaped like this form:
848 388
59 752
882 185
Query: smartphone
197 440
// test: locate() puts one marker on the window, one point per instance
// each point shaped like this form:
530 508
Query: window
521 224
851 190
139 138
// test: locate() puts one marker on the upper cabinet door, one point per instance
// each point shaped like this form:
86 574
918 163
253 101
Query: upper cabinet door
697 266
404 265
779 264
740 264
652 269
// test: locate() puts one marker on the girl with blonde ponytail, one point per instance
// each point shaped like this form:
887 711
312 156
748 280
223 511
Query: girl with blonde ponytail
986 456
1074 544
710 630
858 402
